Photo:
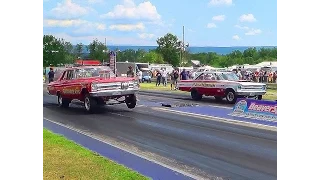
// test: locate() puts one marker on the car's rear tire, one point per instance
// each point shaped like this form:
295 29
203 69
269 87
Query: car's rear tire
231 96
63 102
195 95
90 104
131 101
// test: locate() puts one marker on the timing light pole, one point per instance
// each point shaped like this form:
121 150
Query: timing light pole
182 47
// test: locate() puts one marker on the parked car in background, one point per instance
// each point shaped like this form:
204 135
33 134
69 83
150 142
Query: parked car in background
146 76
221 85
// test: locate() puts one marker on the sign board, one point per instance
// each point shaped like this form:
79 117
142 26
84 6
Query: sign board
112 60
255 109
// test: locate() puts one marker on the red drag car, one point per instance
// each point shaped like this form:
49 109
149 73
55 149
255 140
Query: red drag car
93 85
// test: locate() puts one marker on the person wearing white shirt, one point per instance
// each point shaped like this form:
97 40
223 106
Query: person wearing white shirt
164 77
140 76
239 75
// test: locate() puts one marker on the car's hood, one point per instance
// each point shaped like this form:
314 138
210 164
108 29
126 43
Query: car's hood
108 80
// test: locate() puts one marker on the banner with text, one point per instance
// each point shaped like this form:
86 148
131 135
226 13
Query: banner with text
255 109
112 60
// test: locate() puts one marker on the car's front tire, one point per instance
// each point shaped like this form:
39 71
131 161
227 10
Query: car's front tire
131 101
259 97
231 96
90 104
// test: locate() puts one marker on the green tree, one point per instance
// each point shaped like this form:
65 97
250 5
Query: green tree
55 51
273 53
79 50
126 55
152 57
139 54
251 56
68 55
168 46
96 49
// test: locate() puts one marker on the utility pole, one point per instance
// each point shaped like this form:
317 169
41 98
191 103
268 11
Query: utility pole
105 48
182 43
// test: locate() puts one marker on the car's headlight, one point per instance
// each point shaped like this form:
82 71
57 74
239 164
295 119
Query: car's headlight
94 87
134 83
240 87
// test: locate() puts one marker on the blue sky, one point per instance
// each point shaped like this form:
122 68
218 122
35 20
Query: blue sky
140 22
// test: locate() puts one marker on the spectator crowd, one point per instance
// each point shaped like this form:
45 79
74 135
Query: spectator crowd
162 76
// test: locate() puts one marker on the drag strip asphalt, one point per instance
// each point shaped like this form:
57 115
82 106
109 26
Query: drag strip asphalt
147 168
205 149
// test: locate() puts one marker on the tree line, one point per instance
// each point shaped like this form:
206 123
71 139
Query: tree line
170 50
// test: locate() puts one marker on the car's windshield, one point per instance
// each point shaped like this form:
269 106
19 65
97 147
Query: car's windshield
229 76
94 72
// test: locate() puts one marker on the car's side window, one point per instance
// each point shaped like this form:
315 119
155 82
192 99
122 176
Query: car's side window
201 77
64 75
70 75
213 77
208 76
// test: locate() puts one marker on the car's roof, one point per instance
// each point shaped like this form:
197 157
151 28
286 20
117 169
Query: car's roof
85 67
218 72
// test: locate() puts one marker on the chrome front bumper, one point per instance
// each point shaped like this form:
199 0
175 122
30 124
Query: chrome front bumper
251 93
109 93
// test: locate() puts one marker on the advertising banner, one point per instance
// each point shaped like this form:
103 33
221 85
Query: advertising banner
112 60
255 109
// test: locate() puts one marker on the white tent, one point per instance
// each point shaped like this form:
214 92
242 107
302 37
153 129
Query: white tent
268 63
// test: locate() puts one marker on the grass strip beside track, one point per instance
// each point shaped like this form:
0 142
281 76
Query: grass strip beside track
64 159
270 95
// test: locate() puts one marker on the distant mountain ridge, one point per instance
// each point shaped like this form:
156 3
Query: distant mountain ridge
218 50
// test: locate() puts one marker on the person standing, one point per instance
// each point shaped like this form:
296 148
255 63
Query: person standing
130 72
158 75
164 77
51 75
174 79
183 75
140 76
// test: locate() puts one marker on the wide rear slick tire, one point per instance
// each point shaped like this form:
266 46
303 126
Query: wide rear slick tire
195 95
90 104
131 101
63 102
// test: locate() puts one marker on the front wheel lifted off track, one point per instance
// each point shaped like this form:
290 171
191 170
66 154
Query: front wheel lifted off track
131 101
63 102
195 95
90 104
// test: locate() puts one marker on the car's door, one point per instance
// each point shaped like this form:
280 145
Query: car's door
70 85
206 84
56 86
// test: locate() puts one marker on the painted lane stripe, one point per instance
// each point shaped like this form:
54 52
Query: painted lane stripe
139 163
214 118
